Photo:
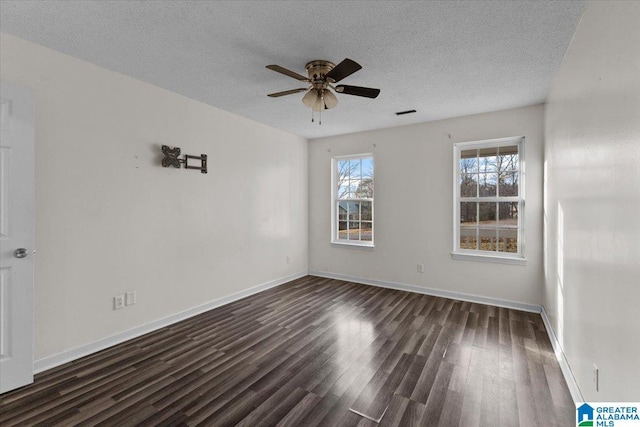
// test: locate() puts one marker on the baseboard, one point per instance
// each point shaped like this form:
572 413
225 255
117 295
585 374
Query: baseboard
52 361
533 308
576 395
58 359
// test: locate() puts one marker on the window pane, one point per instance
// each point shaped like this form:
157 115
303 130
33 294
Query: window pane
354 230
353 188
343 179
508 159
487 213
343 169
508 184
343 191
354 169
354 211
367 167
488 239
508 240
468 185
367 211
367 231
364 189
343 233
508 214
342 211
468 161
468 213
488 183
488 159
468 238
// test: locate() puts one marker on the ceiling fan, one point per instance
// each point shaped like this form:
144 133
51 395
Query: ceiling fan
321 76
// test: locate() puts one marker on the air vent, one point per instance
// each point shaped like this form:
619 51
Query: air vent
402 113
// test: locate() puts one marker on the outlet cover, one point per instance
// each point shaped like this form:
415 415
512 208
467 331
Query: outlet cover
595 373
420 268
118 302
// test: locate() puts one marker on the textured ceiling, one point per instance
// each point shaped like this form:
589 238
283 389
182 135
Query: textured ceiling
444 59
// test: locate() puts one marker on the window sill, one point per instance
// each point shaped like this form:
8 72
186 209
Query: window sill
364 246
516 260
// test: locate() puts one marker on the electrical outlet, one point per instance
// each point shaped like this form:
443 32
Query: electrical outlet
420 268
118 302
288 260
130 298
595 374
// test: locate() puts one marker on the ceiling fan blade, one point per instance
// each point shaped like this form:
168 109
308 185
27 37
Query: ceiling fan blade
287 92
342 70
367 92
282 70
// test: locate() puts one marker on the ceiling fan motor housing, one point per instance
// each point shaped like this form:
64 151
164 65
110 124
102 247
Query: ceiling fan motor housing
317 70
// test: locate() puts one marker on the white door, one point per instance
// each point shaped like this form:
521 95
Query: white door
16 237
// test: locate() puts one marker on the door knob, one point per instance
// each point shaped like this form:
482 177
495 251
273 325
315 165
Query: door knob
20 253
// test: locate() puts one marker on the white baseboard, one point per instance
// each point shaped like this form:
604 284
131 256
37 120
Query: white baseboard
576 395
58 359
533 308
52 361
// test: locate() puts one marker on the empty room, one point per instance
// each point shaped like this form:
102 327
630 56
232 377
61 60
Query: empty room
319 213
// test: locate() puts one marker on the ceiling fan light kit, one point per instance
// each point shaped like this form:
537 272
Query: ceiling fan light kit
321 76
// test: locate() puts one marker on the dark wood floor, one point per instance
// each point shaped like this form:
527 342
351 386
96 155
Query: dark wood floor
314 352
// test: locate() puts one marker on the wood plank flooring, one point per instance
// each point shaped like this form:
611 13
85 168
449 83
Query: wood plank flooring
313 352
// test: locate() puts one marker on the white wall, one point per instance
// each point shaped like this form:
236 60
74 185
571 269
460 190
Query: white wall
414 206
592 203
110 219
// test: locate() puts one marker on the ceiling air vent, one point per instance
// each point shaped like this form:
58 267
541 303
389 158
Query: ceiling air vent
402 113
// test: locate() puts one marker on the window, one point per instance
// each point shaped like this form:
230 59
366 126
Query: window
489 200
352 211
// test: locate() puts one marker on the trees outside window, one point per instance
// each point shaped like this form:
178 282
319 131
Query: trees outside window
489 197
353 200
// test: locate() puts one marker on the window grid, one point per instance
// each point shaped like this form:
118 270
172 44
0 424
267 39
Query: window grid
353 200
490 230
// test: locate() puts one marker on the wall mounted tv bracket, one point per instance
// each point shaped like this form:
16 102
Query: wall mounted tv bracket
171 159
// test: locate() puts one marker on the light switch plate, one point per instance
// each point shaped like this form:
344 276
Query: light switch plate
130 298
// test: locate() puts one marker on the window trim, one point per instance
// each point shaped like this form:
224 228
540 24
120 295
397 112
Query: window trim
334 202
486 256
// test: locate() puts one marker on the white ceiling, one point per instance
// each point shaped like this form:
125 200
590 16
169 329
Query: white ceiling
444 59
